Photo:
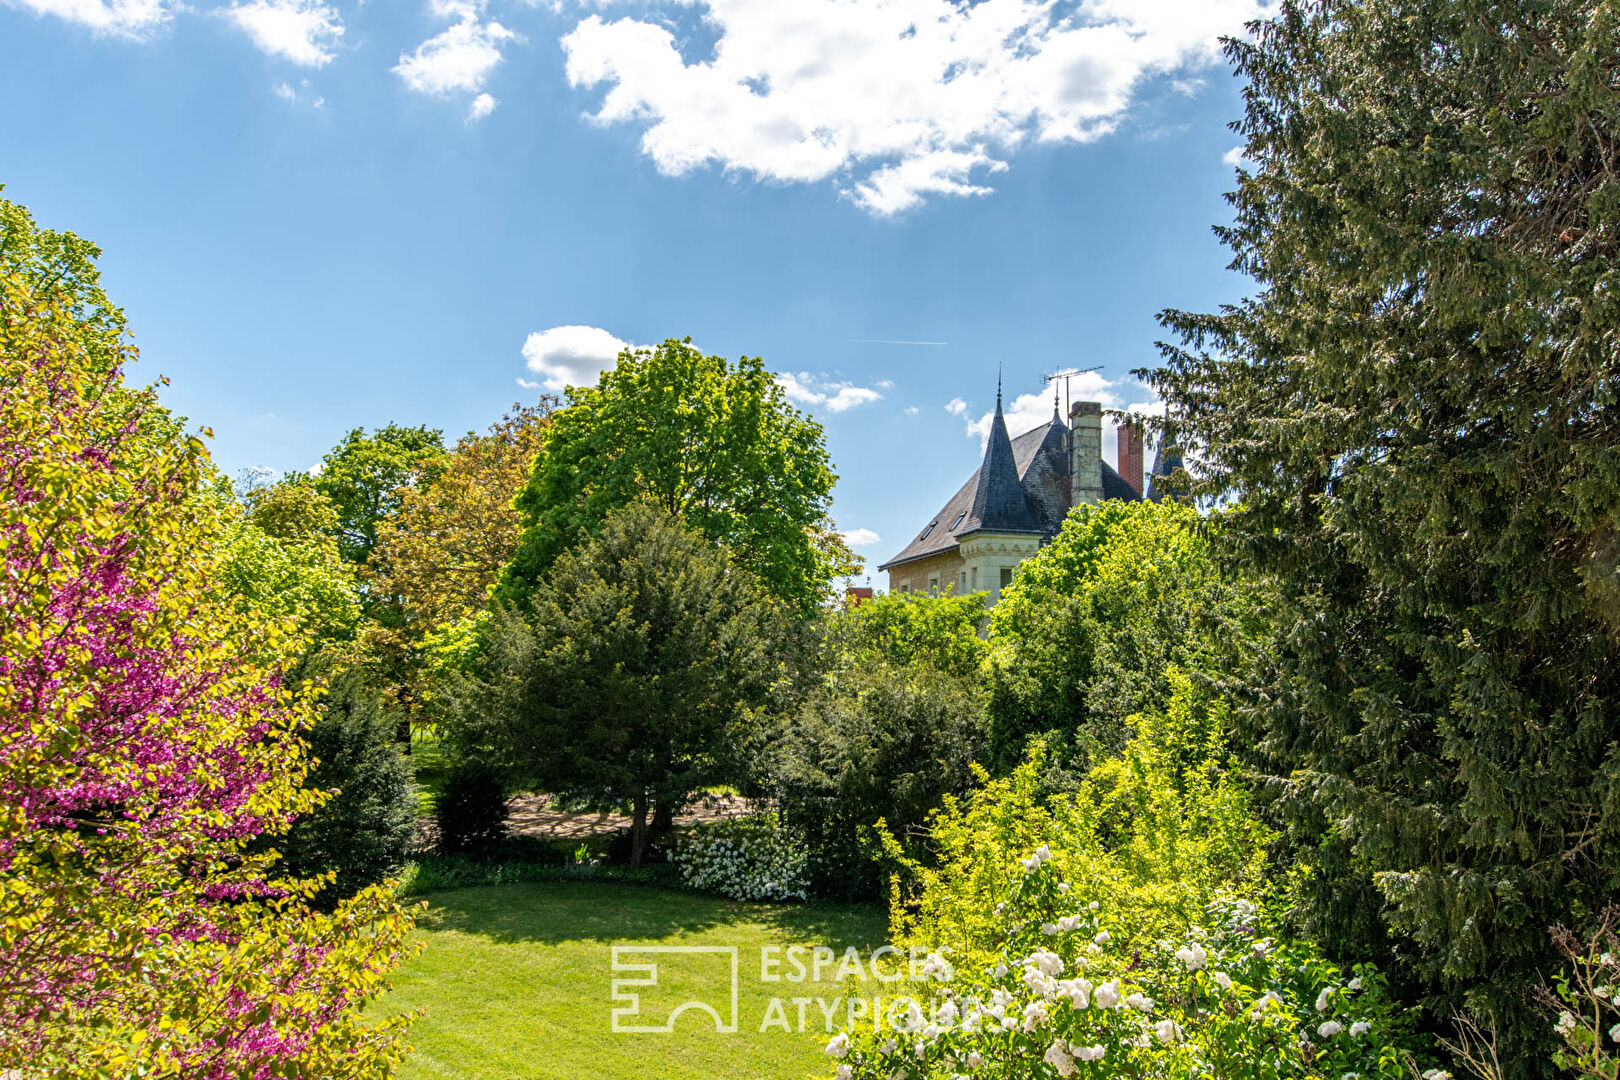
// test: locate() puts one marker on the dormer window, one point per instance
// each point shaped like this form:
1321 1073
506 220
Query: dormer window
958 522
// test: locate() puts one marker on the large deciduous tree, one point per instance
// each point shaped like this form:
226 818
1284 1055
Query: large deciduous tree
625 682
444 549
145 739
1088 632
1419 410
713 442
282 560
366 477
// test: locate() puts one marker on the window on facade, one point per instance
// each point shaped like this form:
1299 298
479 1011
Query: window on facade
933 583
973 577
1006 576
963 586
958 521
905 588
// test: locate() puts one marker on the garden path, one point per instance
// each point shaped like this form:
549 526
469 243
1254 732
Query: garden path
534 815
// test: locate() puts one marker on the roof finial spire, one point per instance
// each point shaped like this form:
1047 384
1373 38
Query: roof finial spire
998 386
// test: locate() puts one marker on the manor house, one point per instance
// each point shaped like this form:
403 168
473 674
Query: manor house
1018 498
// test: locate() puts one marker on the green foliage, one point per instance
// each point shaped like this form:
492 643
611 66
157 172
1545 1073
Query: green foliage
635 674
364 830
63 265
1084 636
1127 924
365 477
1418 410
439 873
281 560
1161 830
712 442
292 509
941 631
471 809
874 743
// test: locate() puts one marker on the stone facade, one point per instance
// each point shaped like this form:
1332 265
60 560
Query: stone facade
936 573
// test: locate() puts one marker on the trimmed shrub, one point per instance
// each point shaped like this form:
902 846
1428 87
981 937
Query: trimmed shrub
873 744
363 832
753 858
471 810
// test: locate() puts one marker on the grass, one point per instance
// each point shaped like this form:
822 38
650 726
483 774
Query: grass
429 764
516 984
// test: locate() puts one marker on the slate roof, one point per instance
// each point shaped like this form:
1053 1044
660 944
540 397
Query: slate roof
998 502
957 519
1165 462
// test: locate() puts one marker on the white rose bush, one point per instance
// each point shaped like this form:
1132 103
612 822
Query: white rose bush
1071 993
755 858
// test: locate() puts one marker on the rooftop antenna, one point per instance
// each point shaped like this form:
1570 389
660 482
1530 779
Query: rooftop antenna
1066 375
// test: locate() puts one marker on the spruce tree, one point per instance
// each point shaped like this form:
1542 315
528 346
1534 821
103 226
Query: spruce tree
1415 415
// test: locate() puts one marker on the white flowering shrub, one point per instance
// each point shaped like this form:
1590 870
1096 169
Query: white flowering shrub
1062 998
754 858
1586 999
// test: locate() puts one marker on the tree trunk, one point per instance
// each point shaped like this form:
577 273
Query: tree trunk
663 815
638 828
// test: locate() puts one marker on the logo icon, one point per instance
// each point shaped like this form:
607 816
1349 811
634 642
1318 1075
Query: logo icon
645 974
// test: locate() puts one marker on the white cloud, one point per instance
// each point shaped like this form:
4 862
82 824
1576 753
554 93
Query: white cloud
292 96
806 389
126 18
1234 157
956 407
1029 411
895 100
911 410
306 32
458 58
570 356
861 537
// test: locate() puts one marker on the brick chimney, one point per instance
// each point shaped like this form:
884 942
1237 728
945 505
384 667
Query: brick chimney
1132 441
1085 456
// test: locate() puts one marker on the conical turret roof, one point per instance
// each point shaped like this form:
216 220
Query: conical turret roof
999 504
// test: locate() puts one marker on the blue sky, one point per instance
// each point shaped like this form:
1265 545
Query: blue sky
322 215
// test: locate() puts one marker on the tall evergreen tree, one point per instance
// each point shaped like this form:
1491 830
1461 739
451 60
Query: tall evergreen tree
629 678
1417 412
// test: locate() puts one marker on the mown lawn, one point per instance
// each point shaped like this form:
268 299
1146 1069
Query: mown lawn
516 981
